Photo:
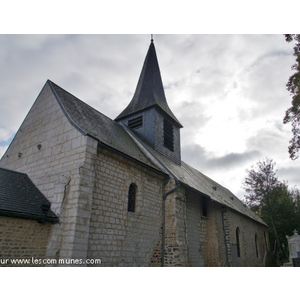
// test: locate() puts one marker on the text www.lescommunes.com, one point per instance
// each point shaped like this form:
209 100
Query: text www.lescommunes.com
49 261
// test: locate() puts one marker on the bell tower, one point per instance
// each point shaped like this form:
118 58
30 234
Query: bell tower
148 112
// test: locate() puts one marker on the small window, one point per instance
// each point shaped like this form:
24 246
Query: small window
131 197
237 233
136 123
256 246
168 135
204 207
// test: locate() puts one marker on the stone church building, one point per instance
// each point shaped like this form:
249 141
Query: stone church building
78 187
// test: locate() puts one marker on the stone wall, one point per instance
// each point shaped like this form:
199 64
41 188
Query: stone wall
119 237
251 253
176 238
212 239
205 234
196 230
23 239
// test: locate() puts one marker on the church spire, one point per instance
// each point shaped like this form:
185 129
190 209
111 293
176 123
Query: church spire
149 91
148 113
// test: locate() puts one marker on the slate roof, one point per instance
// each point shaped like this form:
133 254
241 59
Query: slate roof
91 122
19 197
109 132
149 91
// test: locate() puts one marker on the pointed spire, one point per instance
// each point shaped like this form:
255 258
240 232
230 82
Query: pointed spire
149 91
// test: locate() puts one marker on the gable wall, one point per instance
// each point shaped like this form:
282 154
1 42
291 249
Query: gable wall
61 169
61 146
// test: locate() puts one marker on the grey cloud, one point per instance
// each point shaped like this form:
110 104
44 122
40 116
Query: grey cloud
198 71
292 173
198 156
271 141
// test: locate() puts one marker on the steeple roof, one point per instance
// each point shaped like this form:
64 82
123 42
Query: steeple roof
149 91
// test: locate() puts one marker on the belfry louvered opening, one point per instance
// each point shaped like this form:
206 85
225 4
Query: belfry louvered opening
168 135
136 122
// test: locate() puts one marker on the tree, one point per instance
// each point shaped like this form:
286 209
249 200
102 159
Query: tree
261 184
292 115
260 180
273 201
281 214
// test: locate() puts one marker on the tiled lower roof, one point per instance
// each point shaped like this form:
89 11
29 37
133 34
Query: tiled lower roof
19 197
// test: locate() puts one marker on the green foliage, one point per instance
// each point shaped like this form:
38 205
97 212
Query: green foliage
283 210
292 115
259 181
273 202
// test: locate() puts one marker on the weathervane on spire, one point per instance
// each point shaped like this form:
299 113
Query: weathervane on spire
151 38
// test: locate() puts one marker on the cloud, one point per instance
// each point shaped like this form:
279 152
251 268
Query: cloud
291 172
228 91
199 156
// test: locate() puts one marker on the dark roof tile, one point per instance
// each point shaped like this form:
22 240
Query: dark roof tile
19 197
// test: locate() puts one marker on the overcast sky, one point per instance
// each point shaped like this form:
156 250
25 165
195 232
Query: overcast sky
228 91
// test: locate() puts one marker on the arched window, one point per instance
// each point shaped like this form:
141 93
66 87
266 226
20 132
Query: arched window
131 197
237 233
256 246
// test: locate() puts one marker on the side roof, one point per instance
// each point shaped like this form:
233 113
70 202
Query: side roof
91 122
19 197
108 132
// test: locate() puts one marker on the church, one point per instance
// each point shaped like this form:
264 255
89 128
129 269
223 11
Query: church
80 188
